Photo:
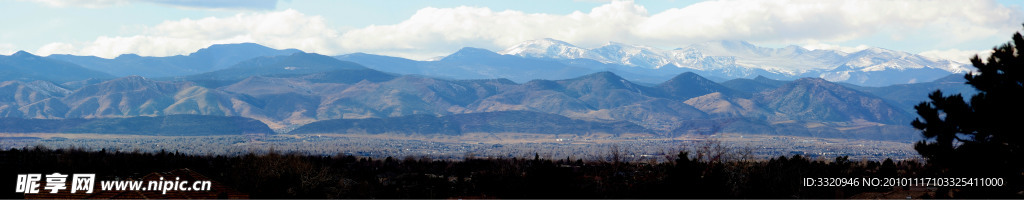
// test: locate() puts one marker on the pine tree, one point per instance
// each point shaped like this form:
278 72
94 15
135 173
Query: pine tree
982 137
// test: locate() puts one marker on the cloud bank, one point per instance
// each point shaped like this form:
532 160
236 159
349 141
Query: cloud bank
439 31
283 29
7 49
196 4
962 56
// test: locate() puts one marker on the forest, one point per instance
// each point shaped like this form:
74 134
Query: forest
696 174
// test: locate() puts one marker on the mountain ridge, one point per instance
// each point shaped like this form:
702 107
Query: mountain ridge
286 92
25 66
214 57
739 59
285 103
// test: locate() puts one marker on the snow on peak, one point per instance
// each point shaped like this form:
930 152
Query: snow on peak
548 48
737 57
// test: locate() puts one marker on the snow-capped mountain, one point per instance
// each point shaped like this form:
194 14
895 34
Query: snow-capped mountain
739 59
551 48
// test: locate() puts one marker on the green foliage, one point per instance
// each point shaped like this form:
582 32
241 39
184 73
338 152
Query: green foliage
980 137
292 176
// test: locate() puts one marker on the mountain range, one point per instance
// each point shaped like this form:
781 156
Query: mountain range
212 58
739 59
552 59
24 66
171 125
290 90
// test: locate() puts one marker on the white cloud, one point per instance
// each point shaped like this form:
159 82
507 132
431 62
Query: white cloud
442 30
439 31
55 48
282 29
221 4
82 3
846 49
962 56
802 21
7 49
198 4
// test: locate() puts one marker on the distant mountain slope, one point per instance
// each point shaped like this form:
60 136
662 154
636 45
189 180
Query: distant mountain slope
37 99
488 122
386 63
490 65
758 84
604 90
905 96
295 64
655 114
551 59
473 63
537 95
597 96
137 96
349 76
127 96
688 85
24 66
300 100
820 100
718 104
739 59
212 58
551 48
364 97
220 56
172 125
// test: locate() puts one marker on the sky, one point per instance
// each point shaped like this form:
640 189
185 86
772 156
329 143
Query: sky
420 29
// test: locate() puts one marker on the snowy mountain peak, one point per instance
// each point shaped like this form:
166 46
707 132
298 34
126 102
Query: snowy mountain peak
530 45
552 41
736 59
731 44
549 48
740 48
877 50
793 49
618 44
632 55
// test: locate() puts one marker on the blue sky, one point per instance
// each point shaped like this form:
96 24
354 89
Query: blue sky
951 29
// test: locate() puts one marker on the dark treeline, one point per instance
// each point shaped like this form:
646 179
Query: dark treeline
276 175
